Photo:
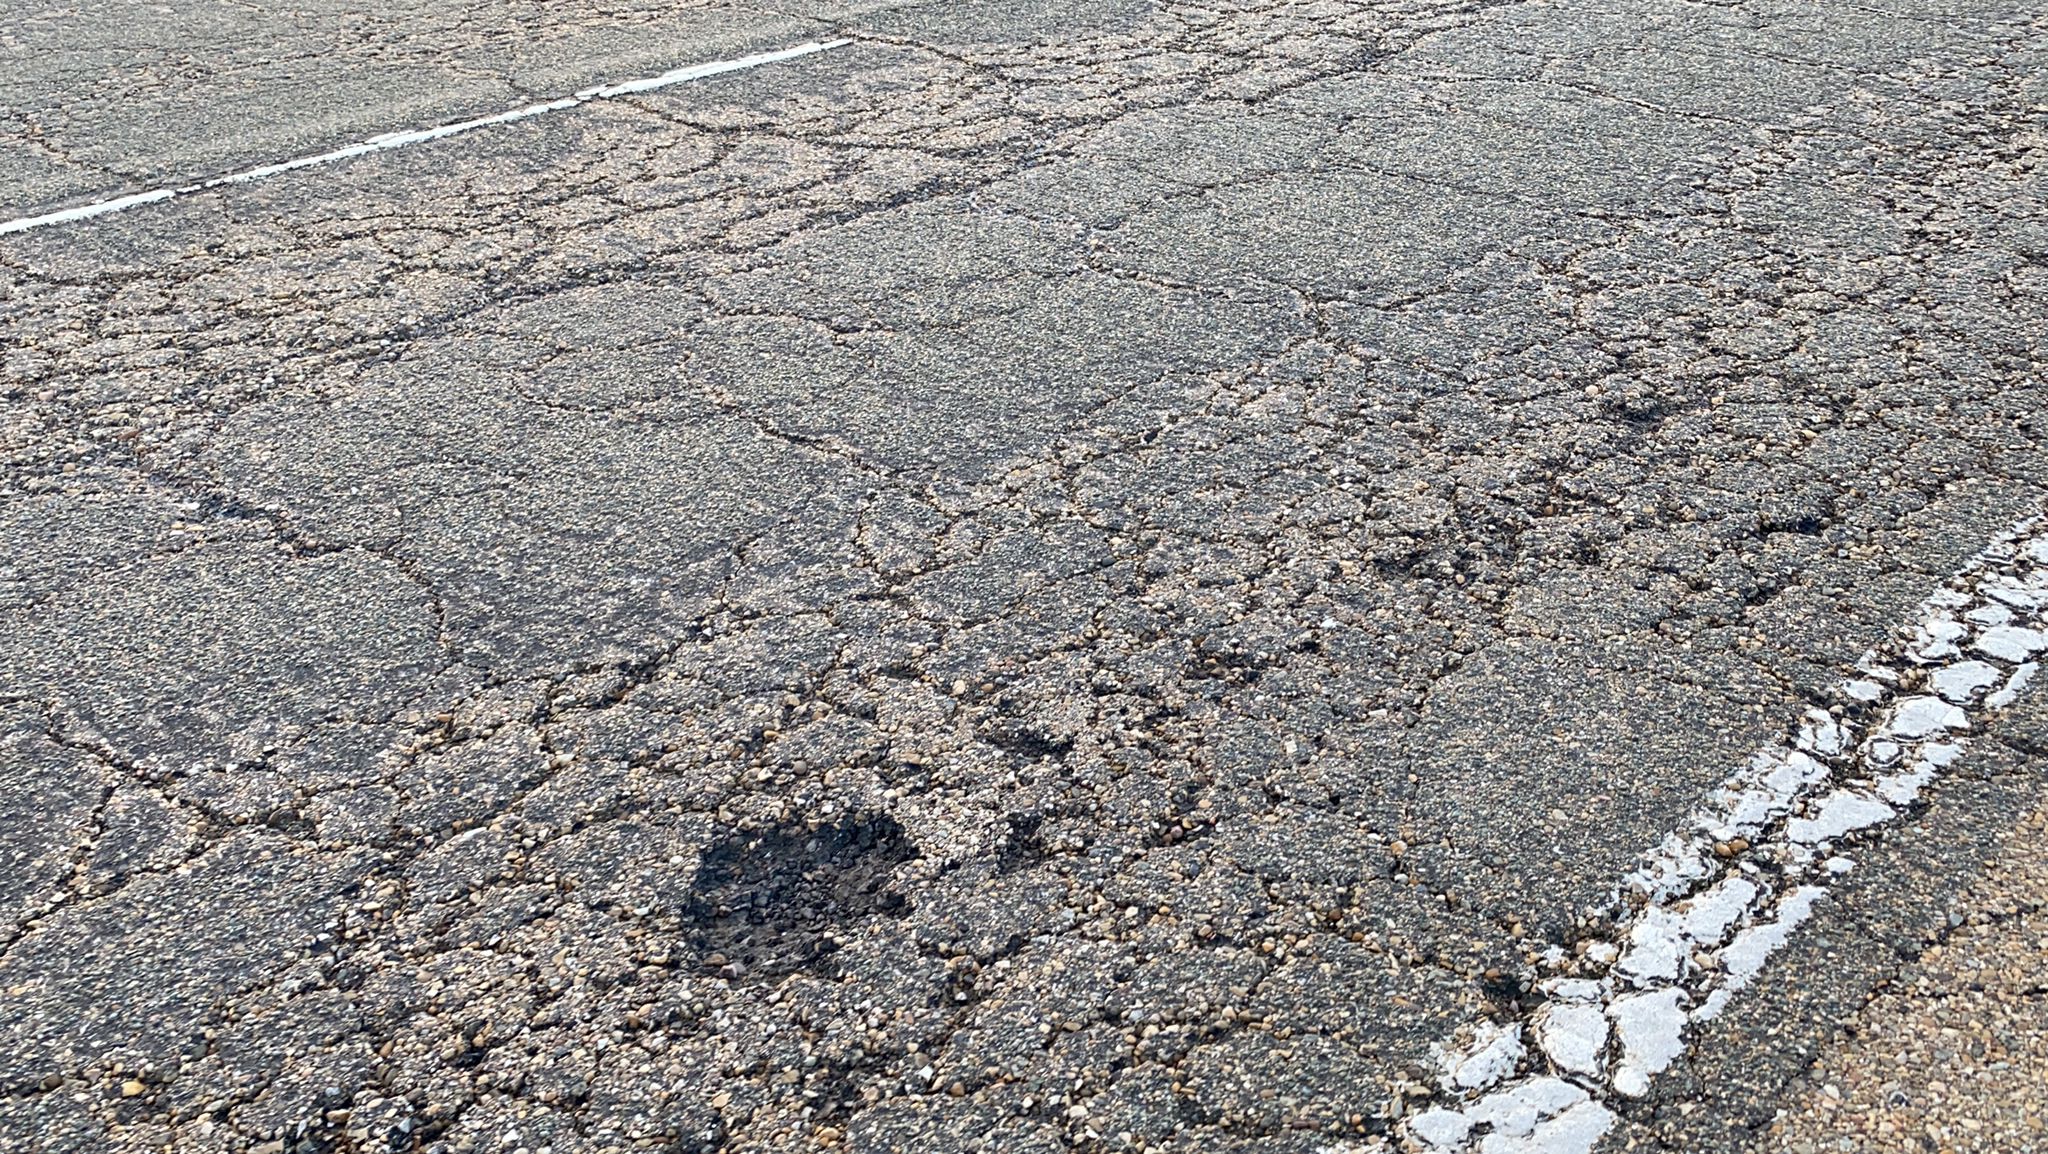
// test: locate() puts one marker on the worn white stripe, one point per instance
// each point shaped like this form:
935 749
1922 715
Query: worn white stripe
390 140
1716 898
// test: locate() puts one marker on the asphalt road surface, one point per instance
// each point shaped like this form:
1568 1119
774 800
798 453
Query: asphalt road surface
1088 575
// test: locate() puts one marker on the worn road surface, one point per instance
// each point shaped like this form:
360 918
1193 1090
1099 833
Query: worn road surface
1102 575
1954 1052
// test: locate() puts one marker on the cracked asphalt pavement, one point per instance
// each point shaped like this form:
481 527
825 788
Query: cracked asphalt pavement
1075 575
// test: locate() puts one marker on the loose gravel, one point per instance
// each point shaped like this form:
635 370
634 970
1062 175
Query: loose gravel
1952 1056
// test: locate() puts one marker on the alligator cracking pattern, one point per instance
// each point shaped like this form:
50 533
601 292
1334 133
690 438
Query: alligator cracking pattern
1086 576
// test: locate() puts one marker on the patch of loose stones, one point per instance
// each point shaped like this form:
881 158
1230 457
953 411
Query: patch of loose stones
1954 1056
1698 921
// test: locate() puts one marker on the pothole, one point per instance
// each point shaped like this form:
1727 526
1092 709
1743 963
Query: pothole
771 902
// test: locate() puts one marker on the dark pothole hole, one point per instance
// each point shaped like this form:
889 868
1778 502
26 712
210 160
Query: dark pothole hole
770 902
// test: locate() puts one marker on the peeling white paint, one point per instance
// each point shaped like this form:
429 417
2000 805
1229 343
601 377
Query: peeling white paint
2011 692
1576 1131
1992 614
1965 679
1574 989
1820 733
1573 1035
2011 643
390 140
1655 947
1744 957
1440 1127
2013 593
1938 637
1903 787
1746 869
1940 754
1925 717
1533 1116
1762 792
1670 868
1650 1029
1516 1110
1708 916
1494 1054
1843 811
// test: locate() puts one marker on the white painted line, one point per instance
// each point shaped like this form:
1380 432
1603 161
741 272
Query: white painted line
391 140
1716 898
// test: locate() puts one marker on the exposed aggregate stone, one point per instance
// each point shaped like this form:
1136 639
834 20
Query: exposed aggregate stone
1195 536
1949 1056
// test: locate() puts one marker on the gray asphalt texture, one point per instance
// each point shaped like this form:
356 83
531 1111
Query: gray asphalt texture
1086 575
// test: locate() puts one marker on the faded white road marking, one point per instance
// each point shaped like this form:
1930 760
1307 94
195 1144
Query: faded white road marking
391 140
1715 899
